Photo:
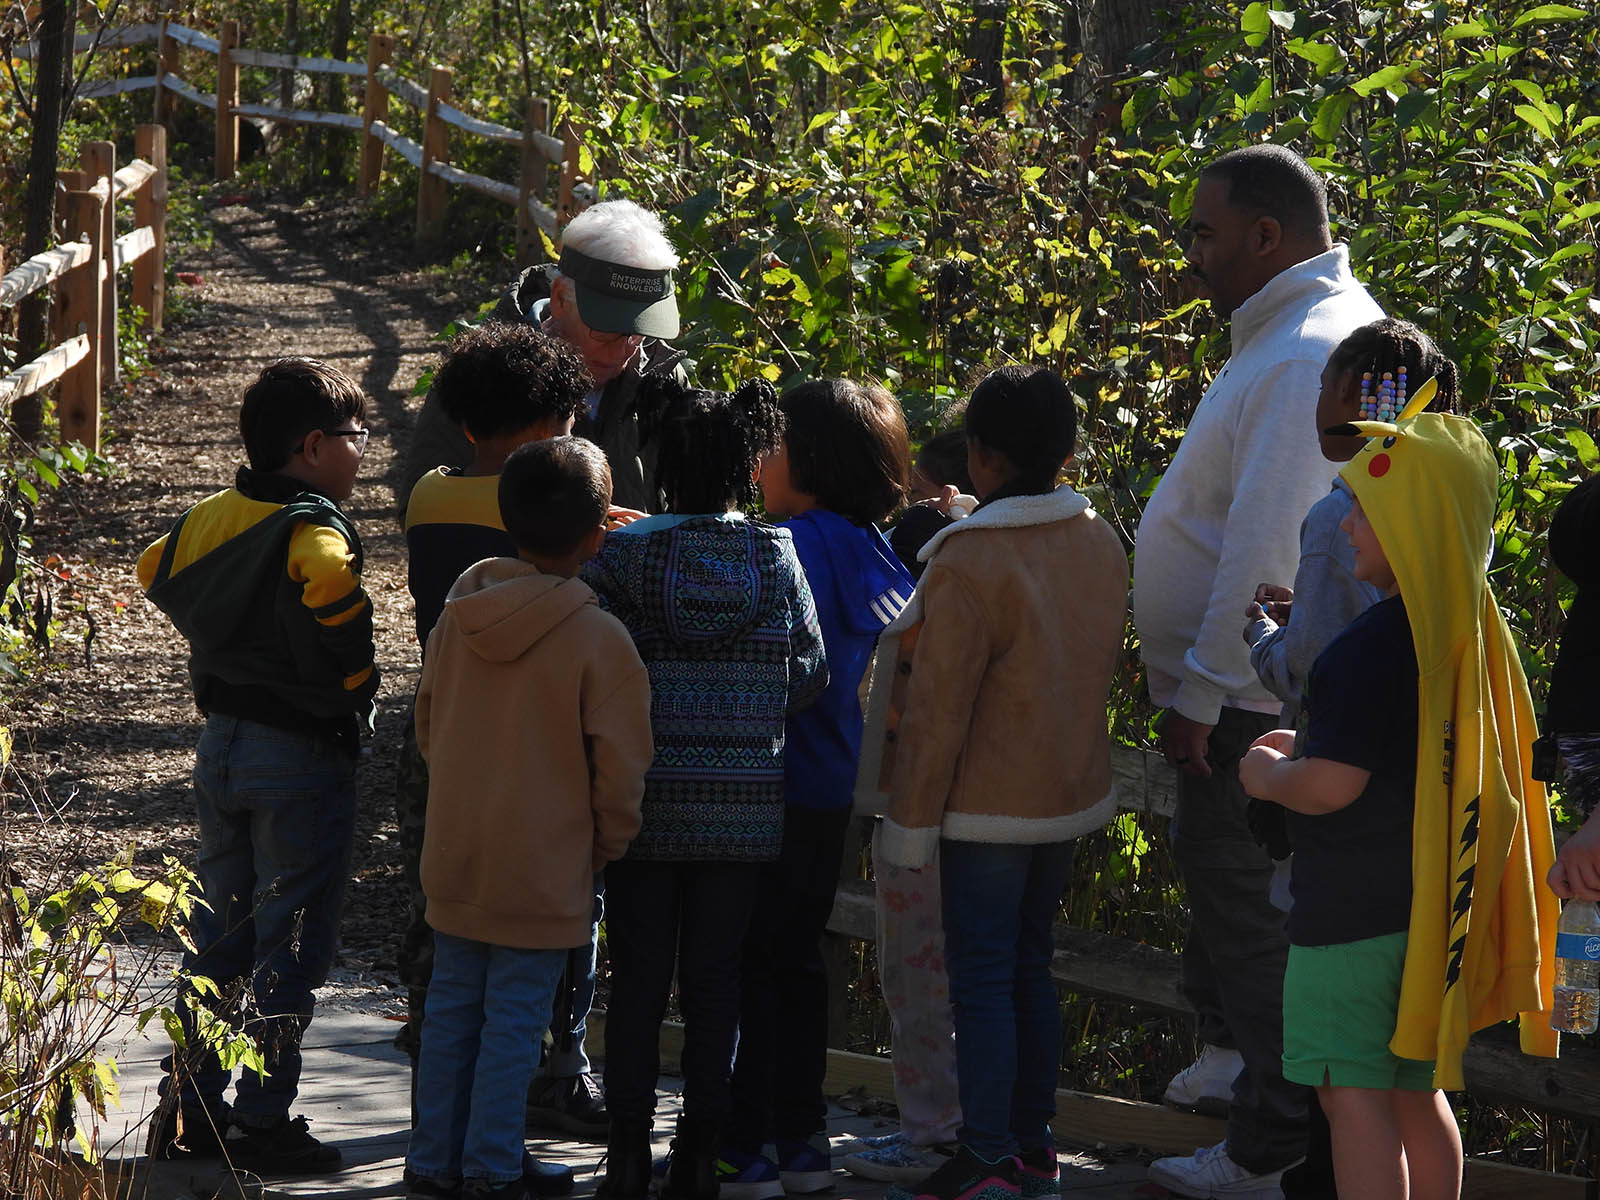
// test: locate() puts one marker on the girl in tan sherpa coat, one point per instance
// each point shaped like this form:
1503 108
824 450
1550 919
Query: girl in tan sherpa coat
986 740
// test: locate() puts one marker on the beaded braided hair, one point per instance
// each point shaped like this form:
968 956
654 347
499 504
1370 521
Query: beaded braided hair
1393 357
708 443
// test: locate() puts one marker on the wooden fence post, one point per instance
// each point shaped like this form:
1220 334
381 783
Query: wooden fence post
167 63
100 161
375 107
78 403
535 120
150 208
432 192
227 100
566 205
68 179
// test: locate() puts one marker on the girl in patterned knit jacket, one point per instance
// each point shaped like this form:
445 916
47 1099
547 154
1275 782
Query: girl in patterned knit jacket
720 612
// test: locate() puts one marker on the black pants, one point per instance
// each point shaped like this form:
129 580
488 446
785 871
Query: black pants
1234 957
692 915
783 1008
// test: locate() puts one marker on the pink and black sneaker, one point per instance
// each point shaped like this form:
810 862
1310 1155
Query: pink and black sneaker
967 1177
1041 1174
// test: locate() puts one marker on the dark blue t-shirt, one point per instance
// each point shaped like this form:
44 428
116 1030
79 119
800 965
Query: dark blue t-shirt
1351 876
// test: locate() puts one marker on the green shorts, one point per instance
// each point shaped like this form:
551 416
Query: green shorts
1339 1005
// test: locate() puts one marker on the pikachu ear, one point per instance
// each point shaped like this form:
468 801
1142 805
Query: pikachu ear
1420 399
1362 429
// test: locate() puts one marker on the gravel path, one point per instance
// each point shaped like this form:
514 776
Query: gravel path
109 746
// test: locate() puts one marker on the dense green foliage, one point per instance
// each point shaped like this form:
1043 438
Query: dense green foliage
848 200
846 203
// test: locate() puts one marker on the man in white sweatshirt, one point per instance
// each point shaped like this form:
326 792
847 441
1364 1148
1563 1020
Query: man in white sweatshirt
1225 518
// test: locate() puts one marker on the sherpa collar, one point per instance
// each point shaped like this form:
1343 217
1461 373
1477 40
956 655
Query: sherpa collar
1014 512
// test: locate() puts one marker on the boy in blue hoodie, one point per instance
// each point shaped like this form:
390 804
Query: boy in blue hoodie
841 466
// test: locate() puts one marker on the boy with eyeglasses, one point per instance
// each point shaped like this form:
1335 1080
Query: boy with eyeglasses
264 580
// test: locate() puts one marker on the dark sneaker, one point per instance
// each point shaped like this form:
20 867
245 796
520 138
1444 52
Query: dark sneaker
1040 1173
805 1166
286 1148
966 1177
546 1178
574 1104
420 1187
744 1176
199 1137
488 1189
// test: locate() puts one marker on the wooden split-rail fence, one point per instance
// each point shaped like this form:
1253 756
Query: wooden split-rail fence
83 355
541 150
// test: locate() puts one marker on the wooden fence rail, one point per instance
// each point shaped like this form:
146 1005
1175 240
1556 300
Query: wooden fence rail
84 269
542 149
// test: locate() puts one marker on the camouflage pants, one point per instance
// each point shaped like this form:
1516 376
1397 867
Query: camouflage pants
414 961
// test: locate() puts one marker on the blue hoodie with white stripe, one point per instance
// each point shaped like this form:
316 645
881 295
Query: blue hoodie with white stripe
859 587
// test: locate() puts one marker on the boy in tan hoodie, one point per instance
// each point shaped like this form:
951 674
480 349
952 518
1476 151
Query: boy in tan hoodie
534 716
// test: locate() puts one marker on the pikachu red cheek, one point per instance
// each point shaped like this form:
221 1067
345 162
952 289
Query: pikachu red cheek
1379 466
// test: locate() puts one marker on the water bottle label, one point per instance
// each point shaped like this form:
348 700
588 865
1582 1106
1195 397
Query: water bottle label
1578 945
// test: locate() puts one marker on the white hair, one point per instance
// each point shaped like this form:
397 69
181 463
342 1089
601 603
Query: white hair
619 231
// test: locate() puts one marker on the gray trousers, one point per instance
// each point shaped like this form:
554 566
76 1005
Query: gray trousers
1234 957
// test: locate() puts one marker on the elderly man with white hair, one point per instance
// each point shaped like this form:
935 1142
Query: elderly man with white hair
610 294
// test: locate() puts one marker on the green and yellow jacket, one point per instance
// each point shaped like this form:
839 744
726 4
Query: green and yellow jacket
264 580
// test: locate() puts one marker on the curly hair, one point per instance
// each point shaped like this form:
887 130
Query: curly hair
708 443
1029 416
1388 345
501 377
848 447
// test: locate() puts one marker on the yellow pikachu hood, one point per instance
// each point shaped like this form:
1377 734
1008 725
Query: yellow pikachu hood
1483 923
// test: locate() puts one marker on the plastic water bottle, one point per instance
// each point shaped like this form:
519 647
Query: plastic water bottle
1577 999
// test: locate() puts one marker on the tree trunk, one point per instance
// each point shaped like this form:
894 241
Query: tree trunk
291 45
55 54
983 84
1106 32
338 47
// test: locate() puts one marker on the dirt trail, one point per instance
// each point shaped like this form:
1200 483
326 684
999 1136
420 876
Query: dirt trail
111 744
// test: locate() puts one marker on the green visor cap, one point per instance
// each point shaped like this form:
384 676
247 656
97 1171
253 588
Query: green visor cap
613 298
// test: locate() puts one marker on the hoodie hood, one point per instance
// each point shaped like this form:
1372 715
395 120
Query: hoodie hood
1482 932
694 580
853 572
503 606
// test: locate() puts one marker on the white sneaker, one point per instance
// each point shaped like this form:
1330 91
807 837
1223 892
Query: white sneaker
898 1161
1209 1172
1206 1084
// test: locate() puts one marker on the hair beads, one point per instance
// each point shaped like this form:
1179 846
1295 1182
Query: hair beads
1390 398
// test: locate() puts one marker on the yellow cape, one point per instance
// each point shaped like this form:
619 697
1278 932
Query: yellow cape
1483 923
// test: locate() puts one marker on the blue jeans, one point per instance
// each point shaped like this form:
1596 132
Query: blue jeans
487 1006
277 825
999 903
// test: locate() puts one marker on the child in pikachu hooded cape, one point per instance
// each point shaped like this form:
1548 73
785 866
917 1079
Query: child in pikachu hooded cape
1482 935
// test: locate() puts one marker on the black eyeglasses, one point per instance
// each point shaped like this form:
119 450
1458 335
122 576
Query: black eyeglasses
361 436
